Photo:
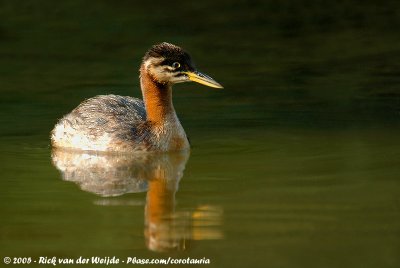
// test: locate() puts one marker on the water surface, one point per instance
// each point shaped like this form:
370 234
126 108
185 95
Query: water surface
294 164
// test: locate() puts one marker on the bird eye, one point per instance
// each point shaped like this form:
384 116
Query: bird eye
176 65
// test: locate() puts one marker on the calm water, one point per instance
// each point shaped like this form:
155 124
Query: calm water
294 164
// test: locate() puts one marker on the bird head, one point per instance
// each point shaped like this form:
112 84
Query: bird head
170 64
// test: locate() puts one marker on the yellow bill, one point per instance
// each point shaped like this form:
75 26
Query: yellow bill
203 79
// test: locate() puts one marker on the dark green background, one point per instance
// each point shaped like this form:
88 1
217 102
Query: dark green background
300 150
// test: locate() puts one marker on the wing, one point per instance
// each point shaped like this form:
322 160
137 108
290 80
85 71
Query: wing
101 122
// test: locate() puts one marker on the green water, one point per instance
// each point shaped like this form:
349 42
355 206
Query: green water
294 164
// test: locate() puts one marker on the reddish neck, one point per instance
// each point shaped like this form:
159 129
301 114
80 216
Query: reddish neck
157 98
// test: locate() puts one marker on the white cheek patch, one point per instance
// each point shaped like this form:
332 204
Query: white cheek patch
169 68
148 64
163 73
160 72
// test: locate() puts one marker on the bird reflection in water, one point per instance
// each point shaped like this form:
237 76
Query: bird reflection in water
159 174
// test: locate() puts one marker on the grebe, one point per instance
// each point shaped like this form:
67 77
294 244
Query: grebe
114 123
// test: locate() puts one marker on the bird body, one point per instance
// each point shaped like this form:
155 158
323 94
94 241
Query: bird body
114 123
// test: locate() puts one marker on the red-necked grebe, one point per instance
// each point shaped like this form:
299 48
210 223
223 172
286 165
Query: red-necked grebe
126 124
